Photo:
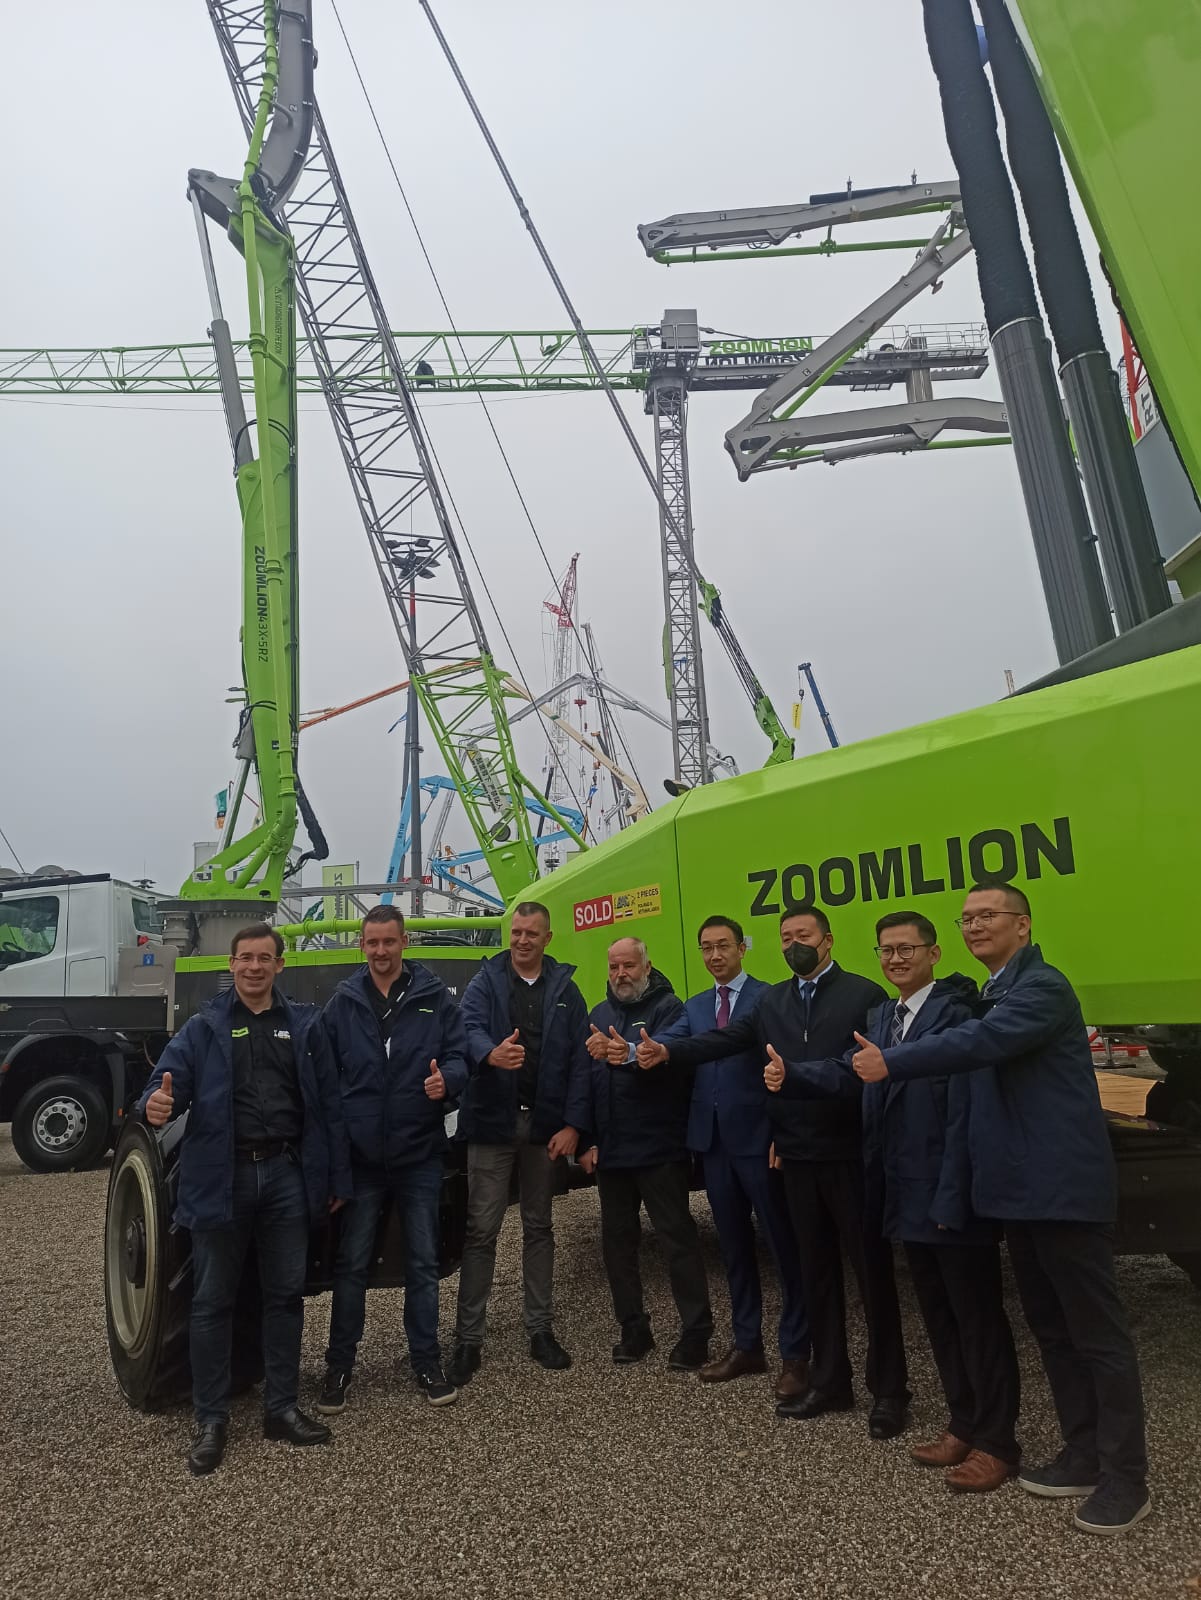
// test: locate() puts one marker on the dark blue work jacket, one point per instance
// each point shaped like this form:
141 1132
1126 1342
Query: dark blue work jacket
200 1060
729 1098
639 1118
489 1111
390 1120
915 1134
1037 1139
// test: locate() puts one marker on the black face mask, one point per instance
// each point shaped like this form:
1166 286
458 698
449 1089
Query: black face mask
802 958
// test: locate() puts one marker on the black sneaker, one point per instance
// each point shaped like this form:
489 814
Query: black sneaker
549 1353
465 1361
689 1355
1113 1507
432 1381
635 1343
1060 1479
332 1398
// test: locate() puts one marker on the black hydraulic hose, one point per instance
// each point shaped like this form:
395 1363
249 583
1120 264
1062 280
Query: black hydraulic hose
1006 284
1063 280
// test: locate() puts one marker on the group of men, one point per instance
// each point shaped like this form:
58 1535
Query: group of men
838 1117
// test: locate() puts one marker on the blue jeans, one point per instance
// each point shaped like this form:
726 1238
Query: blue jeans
269 1206
416 1190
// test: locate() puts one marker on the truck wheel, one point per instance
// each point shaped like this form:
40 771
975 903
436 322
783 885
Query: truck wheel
1189 1261
60 1125
147 1276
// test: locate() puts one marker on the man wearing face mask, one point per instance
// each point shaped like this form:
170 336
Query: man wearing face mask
805 1027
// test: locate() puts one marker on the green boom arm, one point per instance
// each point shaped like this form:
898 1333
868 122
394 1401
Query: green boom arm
252 866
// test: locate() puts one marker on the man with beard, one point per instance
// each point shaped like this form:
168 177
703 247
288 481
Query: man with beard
805 1027
640 1156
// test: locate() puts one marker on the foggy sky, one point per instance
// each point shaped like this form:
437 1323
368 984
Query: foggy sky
909 582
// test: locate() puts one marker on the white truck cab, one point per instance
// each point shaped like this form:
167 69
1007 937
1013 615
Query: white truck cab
60 934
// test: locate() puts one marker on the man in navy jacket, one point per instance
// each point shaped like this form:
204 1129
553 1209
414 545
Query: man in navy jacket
915 1149
401 1051
639 1154
263 1153
1042 1165
525 1104
729 1127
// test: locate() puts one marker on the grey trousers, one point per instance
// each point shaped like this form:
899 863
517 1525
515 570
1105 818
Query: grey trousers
489 1176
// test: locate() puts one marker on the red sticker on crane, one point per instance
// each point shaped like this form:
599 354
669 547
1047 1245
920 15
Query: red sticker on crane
596 913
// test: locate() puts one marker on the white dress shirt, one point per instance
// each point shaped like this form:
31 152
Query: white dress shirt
914 1004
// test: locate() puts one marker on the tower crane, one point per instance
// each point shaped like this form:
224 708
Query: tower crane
564 655
805 675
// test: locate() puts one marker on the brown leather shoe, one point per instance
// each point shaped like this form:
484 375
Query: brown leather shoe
980 1473
945 1451
793 1381
734 1364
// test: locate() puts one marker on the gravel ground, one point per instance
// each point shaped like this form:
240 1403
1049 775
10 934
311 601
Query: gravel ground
626 1483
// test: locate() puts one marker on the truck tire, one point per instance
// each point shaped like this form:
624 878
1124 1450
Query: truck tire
61 1124
1189 1262
148 1277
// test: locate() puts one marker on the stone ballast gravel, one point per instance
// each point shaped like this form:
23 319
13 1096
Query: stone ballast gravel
619 1483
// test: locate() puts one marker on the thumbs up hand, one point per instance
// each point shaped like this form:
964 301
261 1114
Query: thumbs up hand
868 1061
649 1052
435 1083
161 1103
508 1054
616 1048
773 1072
597 1044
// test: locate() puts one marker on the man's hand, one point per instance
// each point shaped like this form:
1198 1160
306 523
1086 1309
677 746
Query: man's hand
774 1161
336 1202
435 1083
563 1143
650 1053
617 1049
161 1103
598 1045
773 1072
868 1061
508 1055
588 1160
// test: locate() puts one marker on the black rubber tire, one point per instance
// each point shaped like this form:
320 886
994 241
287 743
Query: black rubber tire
147 1273
1189 1262
61 1124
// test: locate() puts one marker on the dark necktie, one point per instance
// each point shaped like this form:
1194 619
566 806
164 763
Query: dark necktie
807 1001
987 992
723 1005
898 1023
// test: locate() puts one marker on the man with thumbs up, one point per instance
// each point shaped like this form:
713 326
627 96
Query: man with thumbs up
639 1119
525 1104
401 1051
264 1152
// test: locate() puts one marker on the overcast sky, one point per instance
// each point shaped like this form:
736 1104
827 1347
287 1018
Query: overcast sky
910 583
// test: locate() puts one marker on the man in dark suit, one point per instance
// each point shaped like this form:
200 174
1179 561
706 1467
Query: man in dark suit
729 1127
915 1151
1042 1165
805 1026
640 1158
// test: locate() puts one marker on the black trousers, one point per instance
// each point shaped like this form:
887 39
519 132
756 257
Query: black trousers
1069 1293
664 1192
959 1291
828 1209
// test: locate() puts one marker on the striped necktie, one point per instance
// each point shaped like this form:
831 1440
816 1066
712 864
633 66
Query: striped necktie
898 1023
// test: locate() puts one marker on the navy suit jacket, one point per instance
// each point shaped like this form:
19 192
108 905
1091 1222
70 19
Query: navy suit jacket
915 1134
727 1096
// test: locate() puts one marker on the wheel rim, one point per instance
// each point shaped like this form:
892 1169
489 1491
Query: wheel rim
131 1251
60 1124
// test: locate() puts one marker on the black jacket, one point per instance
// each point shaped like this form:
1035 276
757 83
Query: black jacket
815 1116
639 1119
489 1110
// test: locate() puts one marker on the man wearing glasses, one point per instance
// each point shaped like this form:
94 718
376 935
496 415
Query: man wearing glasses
915 1152
264 1152
729 1128
1042 1165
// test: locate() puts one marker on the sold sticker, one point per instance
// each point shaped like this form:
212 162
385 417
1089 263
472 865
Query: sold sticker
623 906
